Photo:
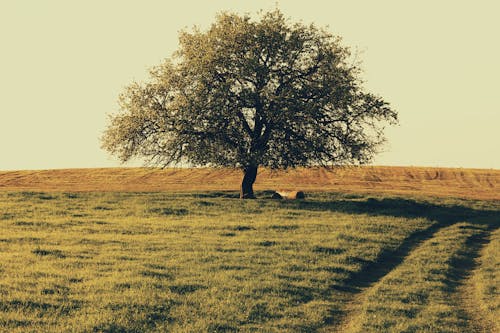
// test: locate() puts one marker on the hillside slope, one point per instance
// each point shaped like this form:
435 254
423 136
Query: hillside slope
462 183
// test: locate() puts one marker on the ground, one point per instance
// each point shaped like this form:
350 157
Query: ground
364 259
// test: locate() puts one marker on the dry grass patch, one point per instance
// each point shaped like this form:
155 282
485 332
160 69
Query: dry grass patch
481 184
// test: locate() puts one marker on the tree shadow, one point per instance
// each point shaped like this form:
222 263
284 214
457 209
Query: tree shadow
443 215
387 260
406 208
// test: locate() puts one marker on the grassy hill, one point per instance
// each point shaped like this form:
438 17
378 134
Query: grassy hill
372 249
462 183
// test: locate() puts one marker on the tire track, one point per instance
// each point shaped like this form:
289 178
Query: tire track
465 294
372 274
458 279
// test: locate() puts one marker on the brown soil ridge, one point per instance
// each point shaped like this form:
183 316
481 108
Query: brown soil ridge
481 184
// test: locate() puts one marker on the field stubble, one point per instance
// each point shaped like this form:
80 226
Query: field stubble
477 184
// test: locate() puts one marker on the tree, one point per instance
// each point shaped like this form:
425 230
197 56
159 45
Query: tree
249 93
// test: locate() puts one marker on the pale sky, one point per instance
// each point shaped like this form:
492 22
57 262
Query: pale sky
63 64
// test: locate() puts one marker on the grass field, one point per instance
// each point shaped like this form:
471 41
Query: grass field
209 262
396 250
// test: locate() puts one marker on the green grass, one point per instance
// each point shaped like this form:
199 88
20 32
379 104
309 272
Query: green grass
487 280
207 262
415 296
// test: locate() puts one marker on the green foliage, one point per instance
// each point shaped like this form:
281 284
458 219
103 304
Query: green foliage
249 93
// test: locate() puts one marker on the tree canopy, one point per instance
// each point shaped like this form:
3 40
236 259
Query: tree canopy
247 93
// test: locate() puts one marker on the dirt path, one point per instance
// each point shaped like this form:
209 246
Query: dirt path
465 294
365 280
462 291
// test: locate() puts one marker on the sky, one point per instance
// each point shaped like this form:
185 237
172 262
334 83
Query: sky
64 63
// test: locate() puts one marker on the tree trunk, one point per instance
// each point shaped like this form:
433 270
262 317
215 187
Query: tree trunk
246 191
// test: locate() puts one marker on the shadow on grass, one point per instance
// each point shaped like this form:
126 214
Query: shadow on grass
443 215
406 208
465 262
395 207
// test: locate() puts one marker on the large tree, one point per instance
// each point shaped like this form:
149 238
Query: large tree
249 93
